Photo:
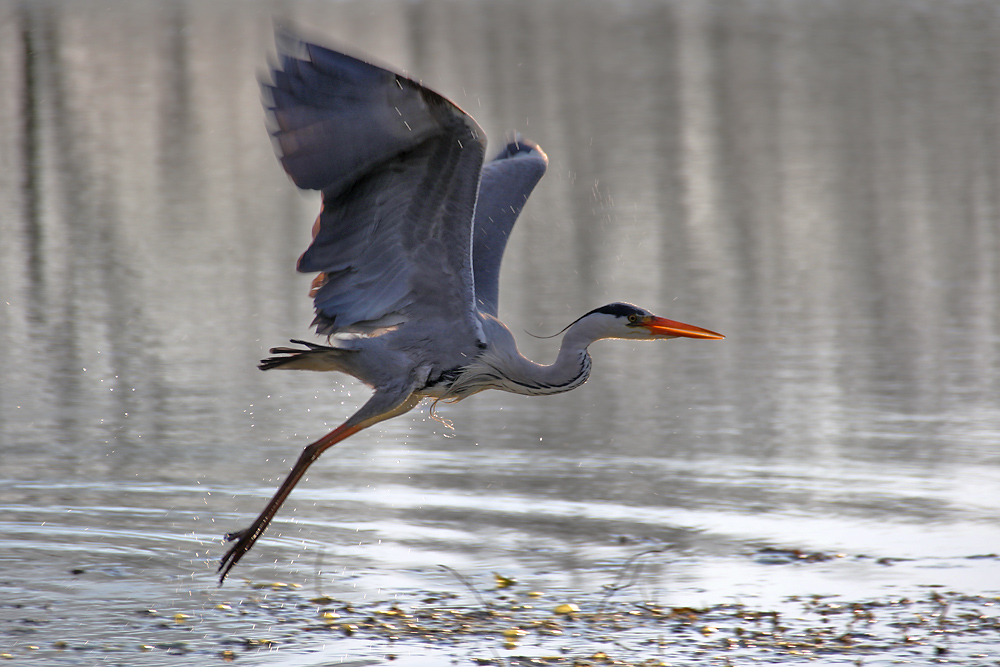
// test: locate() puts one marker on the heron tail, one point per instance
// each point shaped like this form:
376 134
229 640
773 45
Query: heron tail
313 358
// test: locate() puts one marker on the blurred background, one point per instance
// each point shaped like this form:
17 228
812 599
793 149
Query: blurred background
817 180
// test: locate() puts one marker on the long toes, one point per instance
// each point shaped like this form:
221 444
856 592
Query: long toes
228 561
235 535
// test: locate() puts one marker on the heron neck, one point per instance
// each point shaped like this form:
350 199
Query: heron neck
502 366
572 366
570 369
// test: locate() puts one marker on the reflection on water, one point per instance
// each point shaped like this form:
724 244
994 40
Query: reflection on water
817 180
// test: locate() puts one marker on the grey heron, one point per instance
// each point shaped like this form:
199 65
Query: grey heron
407 249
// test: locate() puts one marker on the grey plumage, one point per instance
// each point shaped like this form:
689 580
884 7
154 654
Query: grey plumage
506 183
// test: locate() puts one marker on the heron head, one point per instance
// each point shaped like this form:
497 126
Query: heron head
623 320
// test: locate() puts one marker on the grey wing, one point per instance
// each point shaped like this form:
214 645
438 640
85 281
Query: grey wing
507 181
399 169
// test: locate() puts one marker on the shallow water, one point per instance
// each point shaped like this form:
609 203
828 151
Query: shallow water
816 180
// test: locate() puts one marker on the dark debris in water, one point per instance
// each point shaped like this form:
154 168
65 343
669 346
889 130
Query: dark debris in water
510 627
777 556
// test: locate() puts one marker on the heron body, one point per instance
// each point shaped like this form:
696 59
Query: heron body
407 249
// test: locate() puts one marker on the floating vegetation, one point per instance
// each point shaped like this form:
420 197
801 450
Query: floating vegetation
502 627
498 621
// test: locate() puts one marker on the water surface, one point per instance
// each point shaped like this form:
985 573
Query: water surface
817 180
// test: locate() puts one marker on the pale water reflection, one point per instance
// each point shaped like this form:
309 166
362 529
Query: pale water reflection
819 181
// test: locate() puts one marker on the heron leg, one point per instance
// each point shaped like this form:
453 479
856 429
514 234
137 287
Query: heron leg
246 538
381 406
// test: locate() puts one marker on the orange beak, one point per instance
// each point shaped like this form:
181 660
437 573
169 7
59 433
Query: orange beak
663 327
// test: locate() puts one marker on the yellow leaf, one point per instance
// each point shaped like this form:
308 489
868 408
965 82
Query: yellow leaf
567 608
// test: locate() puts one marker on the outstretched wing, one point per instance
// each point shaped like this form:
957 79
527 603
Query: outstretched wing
399 169
507 181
